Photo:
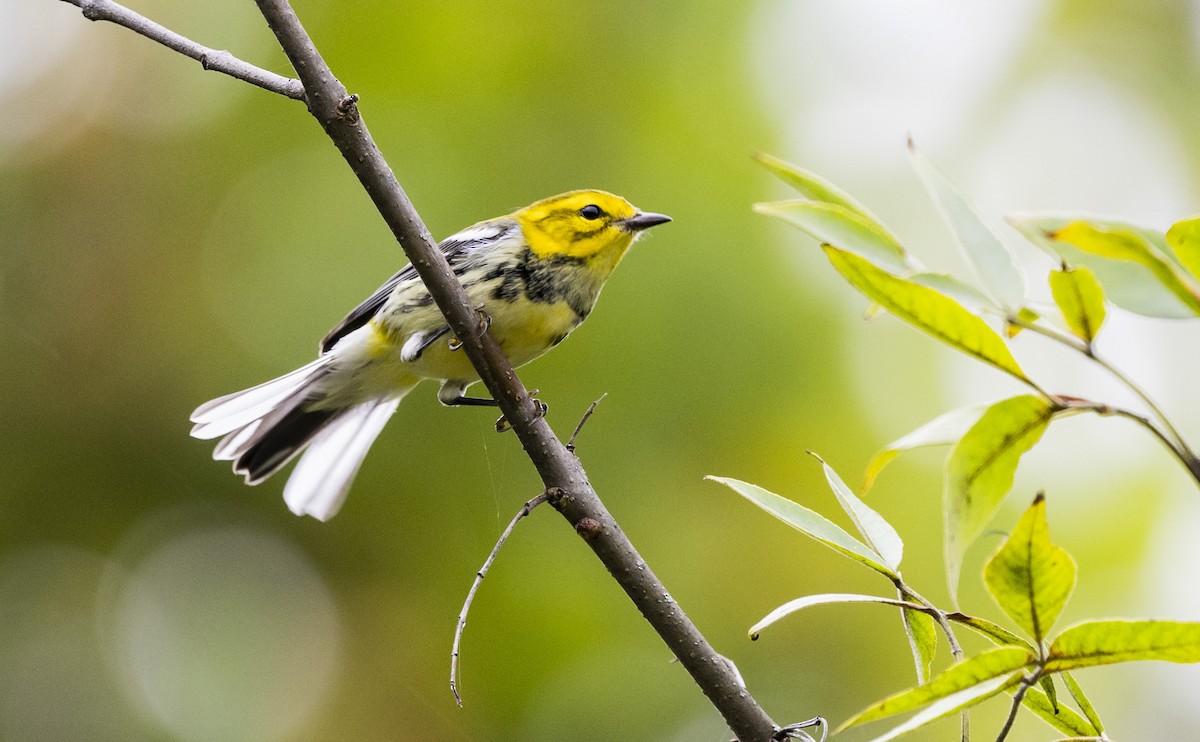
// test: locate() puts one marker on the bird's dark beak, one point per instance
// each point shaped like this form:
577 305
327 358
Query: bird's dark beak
638 222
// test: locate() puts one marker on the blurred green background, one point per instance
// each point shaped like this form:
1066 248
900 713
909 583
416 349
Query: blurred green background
169 235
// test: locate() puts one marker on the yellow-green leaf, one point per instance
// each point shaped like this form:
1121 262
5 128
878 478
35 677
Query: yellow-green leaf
953 704
1184 239
994 264
963 293
927 310
1012 329
1080 299
958 677
815 188
836 225
993 632
1132 263
1106 642
1128 246
1030 578
1063 718
875 530
808 601
921 630
1047 683
980 470
1081 700
940 431
811 524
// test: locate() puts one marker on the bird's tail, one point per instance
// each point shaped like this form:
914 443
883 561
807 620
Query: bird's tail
266 426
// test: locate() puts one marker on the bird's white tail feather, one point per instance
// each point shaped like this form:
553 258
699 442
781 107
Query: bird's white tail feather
321 480
232 445
226 414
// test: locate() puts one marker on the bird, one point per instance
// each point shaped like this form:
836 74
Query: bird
535 274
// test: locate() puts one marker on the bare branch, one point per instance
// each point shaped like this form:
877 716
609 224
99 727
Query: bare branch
487 565
583 421
329 102
211 59
337 112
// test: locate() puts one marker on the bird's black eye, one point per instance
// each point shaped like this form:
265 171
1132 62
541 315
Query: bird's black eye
591 211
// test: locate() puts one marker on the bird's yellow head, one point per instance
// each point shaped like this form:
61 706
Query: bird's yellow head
592 225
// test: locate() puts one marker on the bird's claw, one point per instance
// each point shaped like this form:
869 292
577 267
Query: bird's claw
485 323
540 410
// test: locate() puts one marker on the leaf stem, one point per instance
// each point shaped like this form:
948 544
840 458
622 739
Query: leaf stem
1168 433
1017 698
955 648
938 615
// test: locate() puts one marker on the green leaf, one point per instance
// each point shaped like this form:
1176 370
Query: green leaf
965 675
1030 578
1082 701
1106 642
940 431
993 632
1132 263
1128 246
927 310
809 523
1062 718
952 704
836 225
1184 238
814 187
877 532
808 601
1047 683
993 262
921 630
1081 300
980 470
965 294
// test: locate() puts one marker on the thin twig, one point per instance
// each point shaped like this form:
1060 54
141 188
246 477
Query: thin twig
1190 462
487 564
591 408
924 605
1173 439
964 716
211 59
1016 705
797 730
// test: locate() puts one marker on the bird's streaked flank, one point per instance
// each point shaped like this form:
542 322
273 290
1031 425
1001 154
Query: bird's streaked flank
536 273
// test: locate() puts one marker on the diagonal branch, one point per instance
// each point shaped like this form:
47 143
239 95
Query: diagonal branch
337 113
211 59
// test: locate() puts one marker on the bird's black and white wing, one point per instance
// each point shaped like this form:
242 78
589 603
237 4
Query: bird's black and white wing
456 248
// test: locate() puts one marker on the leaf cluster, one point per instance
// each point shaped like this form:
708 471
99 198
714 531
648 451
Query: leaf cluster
1029 577
1095 261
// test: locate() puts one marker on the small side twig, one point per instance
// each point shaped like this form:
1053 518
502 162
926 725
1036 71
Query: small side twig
797 731
211 59
591 408
1017 698
525 510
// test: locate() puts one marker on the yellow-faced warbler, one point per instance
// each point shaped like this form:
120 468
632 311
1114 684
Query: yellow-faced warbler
537 274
